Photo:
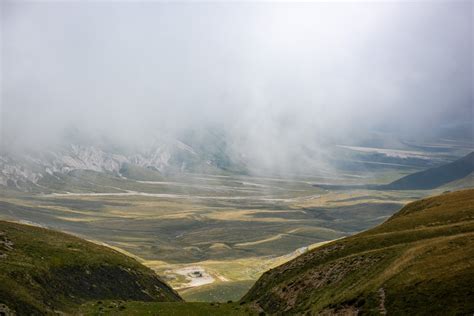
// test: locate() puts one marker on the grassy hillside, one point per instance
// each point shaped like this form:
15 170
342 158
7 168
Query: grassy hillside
132 308
42 271
420 261
217 292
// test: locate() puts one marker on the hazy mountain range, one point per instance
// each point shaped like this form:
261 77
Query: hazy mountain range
209 151
164 155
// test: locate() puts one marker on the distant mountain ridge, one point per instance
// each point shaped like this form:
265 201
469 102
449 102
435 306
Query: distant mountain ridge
165 155
43 168
435 177
431 178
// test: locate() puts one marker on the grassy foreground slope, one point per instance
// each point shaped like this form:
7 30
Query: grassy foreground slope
131 308
420 261
42 271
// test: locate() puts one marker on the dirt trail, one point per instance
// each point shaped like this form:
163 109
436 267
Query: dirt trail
382 309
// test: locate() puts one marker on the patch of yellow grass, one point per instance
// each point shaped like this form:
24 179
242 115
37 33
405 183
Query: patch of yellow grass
261 241
360 196
227 270
245 215
76 219
219 246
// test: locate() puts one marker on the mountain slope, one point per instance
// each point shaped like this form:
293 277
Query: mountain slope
42 271
420 261
435 177
428 179
203 152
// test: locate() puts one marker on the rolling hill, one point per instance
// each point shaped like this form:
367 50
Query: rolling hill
44 271
420 261
432 178
435 177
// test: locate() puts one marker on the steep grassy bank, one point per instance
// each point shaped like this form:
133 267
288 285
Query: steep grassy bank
165 308
42 271
420 261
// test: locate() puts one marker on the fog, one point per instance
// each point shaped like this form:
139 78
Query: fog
273 76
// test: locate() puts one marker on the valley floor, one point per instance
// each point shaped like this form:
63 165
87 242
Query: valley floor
210 237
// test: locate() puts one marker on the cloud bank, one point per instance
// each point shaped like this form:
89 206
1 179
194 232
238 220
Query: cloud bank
274 76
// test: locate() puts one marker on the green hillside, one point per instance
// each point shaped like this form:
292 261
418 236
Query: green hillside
131 308
42 271
420 261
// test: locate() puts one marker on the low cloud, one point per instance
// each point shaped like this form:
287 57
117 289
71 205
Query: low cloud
275 77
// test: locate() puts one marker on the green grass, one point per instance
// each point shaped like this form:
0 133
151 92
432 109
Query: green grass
420 261
178 309
43 270
217 292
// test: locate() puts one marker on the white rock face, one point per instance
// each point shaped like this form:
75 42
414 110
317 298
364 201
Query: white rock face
30 168
76 158
15 172
158 157
88 158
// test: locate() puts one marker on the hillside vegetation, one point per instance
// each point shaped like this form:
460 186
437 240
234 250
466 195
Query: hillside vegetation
420 261
44 271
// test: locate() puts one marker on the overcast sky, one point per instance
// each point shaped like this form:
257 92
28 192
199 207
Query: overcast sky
278 73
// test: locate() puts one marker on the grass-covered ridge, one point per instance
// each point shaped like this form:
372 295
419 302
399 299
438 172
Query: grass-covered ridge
42 271
420 261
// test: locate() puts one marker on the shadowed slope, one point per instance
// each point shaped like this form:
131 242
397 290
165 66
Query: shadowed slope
428 179
42 271
435 177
